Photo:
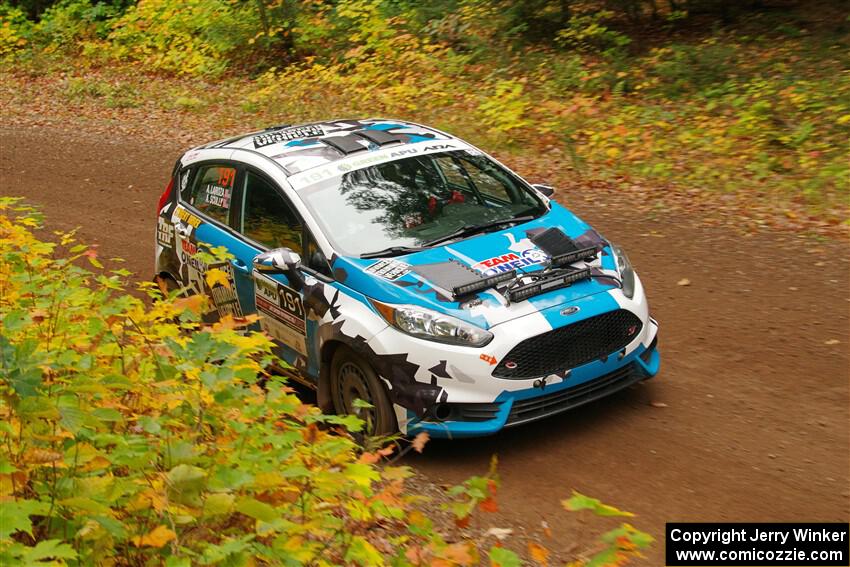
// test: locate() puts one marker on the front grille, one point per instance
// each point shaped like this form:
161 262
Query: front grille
561 349
549 404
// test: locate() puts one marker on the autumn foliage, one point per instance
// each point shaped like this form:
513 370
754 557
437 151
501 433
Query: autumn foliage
739 111
133 434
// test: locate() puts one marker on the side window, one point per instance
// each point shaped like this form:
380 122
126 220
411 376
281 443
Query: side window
489 182
316 260
453 173
267 218
212 191
185 188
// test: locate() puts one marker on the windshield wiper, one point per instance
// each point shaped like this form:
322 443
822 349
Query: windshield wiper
469 229
392 251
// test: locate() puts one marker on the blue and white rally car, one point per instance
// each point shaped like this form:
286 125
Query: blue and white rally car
395 264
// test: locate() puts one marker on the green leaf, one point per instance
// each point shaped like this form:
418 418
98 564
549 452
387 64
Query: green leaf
6 467
85 504
51 548
257 510
218 503
113 526
362 474
185 483
579 501
15 516
605 558
501 557
362 552
637 538
72 418
107 414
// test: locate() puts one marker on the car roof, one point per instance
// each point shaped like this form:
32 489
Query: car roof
300 147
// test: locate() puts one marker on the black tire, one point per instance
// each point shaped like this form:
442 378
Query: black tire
352 377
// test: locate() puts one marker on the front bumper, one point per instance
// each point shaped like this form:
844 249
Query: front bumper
584 384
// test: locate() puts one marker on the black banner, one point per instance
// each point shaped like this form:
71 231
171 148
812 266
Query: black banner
761 545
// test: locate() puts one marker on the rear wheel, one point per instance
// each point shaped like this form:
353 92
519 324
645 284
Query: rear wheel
352 378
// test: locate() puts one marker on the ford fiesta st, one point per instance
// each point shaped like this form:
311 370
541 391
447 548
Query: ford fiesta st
396 265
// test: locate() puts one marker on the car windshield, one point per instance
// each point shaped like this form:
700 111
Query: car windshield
411 202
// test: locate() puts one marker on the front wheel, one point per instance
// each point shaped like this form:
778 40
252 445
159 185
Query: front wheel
352 378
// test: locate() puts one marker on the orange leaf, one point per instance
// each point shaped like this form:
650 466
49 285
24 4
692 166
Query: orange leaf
419 441
459 554
42 456
462 522
194 303
489 505
538 553
158 537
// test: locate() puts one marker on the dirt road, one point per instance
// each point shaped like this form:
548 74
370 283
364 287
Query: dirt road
747 421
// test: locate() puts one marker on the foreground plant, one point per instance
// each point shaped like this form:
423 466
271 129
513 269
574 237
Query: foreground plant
134 434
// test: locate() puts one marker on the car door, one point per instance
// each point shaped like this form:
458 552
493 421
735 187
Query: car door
266 220
204 220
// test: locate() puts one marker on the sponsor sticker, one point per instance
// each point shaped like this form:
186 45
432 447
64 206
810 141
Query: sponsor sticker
287 134
511 261
281 311
187 217
164 232
317 174
224 296
389 269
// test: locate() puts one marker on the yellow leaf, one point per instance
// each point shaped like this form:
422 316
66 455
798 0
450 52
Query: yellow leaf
217 276
538 553
156 538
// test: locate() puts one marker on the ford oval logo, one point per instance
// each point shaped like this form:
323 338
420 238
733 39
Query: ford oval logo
571 310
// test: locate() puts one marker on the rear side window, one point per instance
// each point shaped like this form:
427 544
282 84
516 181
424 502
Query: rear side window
267 218
212 191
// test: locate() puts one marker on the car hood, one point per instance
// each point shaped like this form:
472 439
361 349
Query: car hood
391 280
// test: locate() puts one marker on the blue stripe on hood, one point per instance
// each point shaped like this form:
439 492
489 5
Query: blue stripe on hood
488 253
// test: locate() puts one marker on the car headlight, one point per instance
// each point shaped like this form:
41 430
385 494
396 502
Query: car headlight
627 273
432 326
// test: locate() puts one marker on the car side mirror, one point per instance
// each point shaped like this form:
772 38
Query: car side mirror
546 190
281 261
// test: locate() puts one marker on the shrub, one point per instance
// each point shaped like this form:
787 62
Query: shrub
14 29
70 22
135 434
192 37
